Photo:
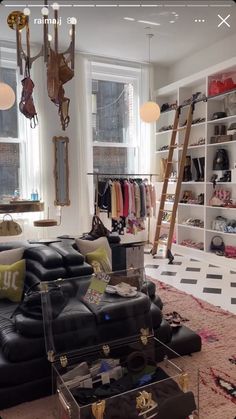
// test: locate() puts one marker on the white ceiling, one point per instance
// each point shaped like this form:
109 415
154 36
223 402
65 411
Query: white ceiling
103 30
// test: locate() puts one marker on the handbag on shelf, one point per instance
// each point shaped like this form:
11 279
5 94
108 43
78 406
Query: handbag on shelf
9 227
217 245
220 198
98 228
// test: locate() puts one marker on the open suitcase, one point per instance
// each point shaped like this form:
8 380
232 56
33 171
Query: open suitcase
106 361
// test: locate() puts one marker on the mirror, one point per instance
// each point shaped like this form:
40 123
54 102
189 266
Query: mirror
61 171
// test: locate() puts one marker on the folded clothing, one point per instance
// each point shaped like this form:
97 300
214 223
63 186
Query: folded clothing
168 401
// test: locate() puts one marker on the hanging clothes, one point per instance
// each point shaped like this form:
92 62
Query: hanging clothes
126 198
128 203
113 201
143 200
148 200
137 200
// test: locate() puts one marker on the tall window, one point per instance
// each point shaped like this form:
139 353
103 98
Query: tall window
9 141
115 92
19 144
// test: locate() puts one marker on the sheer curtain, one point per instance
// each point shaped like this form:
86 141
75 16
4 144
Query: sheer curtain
83 104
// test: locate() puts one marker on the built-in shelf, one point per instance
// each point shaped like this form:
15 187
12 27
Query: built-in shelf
221 183
194 248
167 111
178 91
181 128
220 208
221 95
162 151
226 118
220 144
193 146
18 207
163 132
189 226
190 205
221 232
193 182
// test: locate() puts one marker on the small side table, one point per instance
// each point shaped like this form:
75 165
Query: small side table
127 256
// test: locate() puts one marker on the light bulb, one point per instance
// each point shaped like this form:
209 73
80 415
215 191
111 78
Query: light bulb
55 6
26 11
73 20
49 37
150 112
7 96
45 11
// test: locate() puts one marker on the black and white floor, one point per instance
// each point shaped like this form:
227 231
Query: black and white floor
211 283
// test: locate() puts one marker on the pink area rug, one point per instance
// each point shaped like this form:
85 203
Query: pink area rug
215 365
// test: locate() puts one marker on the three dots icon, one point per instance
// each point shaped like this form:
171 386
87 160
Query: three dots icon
199 20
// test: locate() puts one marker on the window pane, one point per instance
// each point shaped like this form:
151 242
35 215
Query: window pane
112 108
115 160
8 119
9 168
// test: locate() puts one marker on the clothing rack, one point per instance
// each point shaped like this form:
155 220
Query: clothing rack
101 174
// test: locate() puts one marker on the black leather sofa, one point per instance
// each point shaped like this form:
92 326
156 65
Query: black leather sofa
25 373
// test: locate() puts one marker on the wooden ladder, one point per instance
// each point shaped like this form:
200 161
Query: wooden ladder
168 170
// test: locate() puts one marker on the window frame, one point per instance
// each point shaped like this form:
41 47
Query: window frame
121 74
9 62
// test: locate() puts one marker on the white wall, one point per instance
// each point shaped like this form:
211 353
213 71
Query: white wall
49 126
214 54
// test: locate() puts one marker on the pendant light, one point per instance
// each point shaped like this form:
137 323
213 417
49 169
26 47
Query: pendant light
7 94
149 111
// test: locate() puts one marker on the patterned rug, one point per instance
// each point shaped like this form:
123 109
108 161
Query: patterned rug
215 365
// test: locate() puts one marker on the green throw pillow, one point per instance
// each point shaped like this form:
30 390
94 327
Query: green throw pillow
12 279
100 257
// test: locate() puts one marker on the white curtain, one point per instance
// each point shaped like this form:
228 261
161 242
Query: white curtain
83 104
146 130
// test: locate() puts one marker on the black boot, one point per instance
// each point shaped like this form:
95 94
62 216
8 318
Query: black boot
202 166
187 177
197 167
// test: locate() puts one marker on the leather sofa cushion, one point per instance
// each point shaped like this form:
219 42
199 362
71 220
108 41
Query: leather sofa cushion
118 308
163 332
157 301
12 373
45 255
156 316
74 316
14 245
149 288
111 331
185 341
45 274
79 270
69 254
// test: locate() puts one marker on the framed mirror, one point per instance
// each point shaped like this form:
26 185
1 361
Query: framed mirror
61 171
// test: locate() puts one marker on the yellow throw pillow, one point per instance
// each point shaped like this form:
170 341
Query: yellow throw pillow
12 279
100 257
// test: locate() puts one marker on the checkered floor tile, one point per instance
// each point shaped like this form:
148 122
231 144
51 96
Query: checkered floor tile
211 283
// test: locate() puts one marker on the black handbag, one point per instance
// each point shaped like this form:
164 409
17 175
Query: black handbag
31 306
221 160
98 228
217 245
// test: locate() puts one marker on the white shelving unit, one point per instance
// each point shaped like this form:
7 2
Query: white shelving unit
204 130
